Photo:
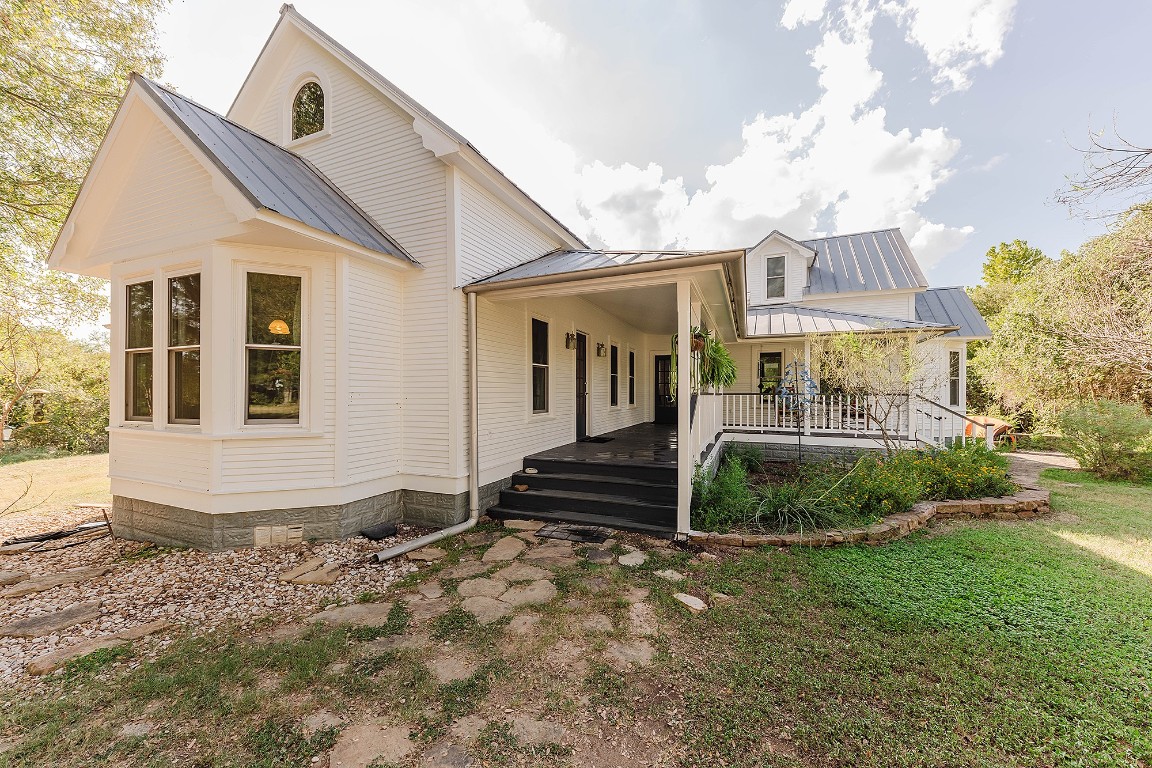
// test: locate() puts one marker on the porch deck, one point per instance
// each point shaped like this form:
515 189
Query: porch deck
642 444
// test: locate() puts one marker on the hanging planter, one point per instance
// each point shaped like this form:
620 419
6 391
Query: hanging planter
714 367
699 340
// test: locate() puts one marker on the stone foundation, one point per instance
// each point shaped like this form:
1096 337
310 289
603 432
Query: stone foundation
141 520
814 453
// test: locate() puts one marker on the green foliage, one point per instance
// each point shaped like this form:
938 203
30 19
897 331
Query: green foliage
835 495
714 367
1112 440
281 743
1011 263
395 624
1077 328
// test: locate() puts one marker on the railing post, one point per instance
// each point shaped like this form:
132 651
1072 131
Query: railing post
990 437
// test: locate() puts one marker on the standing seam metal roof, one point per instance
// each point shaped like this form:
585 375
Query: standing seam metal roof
272 177
562 262
866 261
952 306
797 320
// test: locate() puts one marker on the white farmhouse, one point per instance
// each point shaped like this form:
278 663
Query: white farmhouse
330 310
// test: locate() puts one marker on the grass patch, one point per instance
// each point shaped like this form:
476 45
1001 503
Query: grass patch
281 743
395 624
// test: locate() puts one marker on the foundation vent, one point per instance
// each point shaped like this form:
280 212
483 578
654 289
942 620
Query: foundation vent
277 535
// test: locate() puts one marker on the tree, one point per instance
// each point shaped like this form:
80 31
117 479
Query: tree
1011 263
885 367
1079 328
1113 165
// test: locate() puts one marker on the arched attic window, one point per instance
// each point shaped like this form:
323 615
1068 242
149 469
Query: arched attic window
308 110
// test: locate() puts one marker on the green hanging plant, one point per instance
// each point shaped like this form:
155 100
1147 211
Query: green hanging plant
715 367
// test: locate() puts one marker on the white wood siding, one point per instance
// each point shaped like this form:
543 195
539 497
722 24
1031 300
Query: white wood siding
492 237
375 157
182 462
508 428
899 306
374 372
167 194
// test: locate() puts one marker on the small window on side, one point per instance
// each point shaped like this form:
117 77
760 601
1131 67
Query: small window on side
614 377
308 110
953 378
774 277
138 352
184 349
539 366
272 349
631 378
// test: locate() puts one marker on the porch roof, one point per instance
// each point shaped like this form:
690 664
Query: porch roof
565 262
952 306
797 320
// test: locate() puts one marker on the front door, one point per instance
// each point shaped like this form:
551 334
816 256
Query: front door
665 403
581 386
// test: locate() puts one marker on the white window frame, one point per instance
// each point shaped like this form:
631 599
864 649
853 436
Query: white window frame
958 379
131 352
321 80
170 357
240 320
532 365
613 378
783 278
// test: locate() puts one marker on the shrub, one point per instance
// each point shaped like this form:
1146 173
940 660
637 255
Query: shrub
73 424
1109 439
836 495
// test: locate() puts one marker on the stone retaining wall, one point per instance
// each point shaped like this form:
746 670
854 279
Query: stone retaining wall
1023 505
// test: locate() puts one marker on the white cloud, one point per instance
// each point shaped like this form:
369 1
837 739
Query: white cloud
957 35
798 12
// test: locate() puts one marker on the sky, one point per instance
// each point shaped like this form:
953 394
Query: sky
702 124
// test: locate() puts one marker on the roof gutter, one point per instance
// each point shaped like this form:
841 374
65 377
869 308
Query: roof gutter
679 262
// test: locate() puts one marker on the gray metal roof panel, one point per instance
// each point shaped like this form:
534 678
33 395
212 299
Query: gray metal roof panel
797 320
274 178
952 306
866 261
563 262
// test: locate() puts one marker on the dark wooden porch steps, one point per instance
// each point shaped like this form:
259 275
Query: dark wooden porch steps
639 496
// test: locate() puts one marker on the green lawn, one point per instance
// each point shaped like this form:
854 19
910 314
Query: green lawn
986 645
981 644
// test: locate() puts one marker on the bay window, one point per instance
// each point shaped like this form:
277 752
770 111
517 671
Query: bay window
272 350
184 349
138 352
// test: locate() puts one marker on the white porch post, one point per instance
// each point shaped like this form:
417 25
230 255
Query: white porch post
683 406
808 405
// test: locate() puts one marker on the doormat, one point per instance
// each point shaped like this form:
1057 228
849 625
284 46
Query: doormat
597 439
581 534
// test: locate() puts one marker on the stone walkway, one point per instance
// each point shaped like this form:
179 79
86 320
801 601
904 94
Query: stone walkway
1026 466
507 584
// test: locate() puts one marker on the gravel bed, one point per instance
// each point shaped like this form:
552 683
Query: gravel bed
197 591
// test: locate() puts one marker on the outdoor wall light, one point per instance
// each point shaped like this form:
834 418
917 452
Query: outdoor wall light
569 341
601 350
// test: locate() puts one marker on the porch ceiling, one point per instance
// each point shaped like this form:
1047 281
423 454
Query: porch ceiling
651 309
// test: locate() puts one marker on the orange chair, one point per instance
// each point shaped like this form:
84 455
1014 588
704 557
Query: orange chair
1002 432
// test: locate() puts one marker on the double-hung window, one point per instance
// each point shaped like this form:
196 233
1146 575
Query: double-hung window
138 352
774 277
539 366
184 349
953 378
272 350
614 376
631 378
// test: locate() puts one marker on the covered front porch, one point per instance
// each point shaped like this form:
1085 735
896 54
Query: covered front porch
582 407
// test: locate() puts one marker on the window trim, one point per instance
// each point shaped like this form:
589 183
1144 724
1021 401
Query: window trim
242 270
783 277
171 357
955 381
305 78
631 377
131 352
613 374
533 365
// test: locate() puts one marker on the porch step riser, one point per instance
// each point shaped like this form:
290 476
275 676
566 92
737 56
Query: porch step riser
645 472
582 518
612 506
609 486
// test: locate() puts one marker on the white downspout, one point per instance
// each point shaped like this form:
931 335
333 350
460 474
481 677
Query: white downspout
473 454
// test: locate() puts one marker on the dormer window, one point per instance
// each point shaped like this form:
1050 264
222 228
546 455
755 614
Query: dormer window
774 277
308 110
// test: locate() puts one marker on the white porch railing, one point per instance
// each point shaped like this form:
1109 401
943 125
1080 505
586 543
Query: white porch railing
912 419
707 421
